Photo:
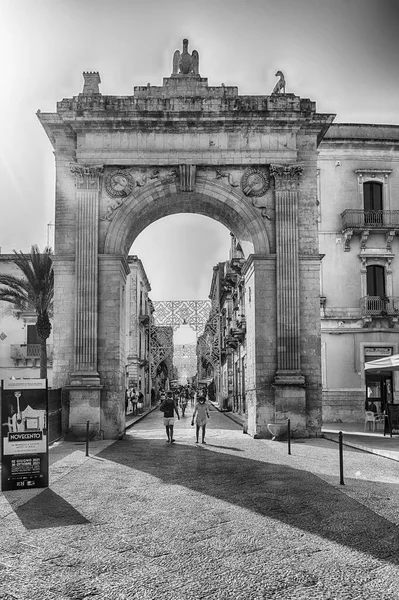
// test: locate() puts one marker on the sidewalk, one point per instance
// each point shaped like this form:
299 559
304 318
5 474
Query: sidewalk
354 436
368 441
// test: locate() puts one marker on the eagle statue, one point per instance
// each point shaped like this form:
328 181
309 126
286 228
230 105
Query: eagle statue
185 63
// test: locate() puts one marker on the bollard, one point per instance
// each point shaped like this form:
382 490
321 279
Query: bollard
87 438
289 435
341 459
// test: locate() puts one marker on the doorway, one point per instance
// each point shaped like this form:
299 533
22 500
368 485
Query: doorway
378 390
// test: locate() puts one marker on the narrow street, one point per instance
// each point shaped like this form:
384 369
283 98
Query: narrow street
236 518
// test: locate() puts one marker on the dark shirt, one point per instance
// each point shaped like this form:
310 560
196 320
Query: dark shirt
169 408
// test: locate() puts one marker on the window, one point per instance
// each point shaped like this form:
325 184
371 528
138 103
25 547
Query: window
372 195
375 280
31 335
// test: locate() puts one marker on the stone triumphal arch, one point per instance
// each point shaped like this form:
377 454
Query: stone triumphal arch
122 162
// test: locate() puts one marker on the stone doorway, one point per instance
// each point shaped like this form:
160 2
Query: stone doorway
185 147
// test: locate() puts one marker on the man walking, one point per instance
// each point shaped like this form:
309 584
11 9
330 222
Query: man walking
169 408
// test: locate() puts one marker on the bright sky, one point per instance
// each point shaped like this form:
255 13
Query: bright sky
343 54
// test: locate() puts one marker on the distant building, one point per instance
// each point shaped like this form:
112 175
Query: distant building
19 344
138 315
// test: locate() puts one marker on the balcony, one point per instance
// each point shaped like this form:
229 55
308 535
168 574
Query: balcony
236 264
364 222
380 307
144 320
29 352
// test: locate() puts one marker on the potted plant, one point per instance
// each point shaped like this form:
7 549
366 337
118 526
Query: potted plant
278 428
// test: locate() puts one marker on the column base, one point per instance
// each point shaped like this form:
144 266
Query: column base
85 378
290 403
289 378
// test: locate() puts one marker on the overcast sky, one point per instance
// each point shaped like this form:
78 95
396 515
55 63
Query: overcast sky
343 54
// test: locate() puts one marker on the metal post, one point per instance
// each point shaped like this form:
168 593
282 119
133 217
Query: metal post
341 459
87 437
289 436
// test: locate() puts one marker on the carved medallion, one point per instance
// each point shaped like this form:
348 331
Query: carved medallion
254 183
119 184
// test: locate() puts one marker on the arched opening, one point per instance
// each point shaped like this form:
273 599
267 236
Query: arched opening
211 199
179 255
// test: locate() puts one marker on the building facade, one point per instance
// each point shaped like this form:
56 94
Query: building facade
358 224
358 221
138 316
19 343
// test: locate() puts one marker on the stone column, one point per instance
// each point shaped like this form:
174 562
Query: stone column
86 273
289 381
85 389
288 320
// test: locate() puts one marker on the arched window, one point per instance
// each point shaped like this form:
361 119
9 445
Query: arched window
372 194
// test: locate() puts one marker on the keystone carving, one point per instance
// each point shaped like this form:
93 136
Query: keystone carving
187 177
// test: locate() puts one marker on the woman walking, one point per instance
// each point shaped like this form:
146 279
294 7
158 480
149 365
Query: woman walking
200 416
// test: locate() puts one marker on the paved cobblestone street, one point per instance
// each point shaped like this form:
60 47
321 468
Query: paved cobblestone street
237 518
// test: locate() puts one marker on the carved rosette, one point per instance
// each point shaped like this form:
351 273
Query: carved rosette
87 177
119 184
254 183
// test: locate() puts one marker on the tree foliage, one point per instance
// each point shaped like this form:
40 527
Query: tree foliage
34 291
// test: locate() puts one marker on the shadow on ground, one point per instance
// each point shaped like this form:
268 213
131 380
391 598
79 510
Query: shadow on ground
47 510
294 497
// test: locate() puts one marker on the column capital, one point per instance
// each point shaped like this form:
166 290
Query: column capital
87 177
286 176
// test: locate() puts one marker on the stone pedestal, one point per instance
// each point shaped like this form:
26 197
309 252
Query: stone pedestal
290 403
84 405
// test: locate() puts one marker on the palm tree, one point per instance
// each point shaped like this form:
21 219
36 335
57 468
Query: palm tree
33 291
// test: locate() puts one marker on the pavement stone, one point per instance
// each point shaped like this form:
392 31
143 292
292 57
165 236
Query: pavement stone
237 518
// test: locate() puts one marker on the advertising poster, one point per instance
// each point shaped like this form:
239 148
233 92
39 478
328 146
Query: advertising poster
24 439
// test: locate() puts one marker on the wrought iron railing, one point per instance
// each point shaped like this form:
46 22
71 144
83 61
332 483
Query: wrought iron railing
379 306
370 219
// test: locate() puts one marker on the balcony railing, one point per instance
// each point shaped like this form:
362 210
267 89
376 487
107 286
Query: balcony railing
379 306
370 219
29 351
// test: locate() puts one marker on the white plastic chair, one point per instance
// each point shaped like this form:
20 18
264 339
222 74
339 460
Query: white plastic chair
379 418
369 418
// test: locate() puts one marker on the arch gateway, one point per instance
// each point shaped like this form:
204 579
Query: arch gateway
123 162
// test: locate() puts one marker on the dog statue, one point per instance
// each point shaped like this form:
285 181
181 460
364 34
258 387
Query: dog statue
279 88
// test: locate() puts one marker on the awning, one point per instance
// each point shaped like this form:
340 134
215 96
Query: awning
388 363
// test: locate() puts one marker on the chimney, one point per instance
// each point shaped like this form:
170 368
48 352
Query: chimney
92 79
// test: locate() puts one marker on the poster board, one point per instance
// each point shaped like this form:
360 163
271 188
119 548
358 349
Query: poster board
24 434
393 418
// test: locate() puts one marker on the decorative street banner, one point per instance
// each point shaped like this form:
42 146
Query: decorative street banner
24 439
